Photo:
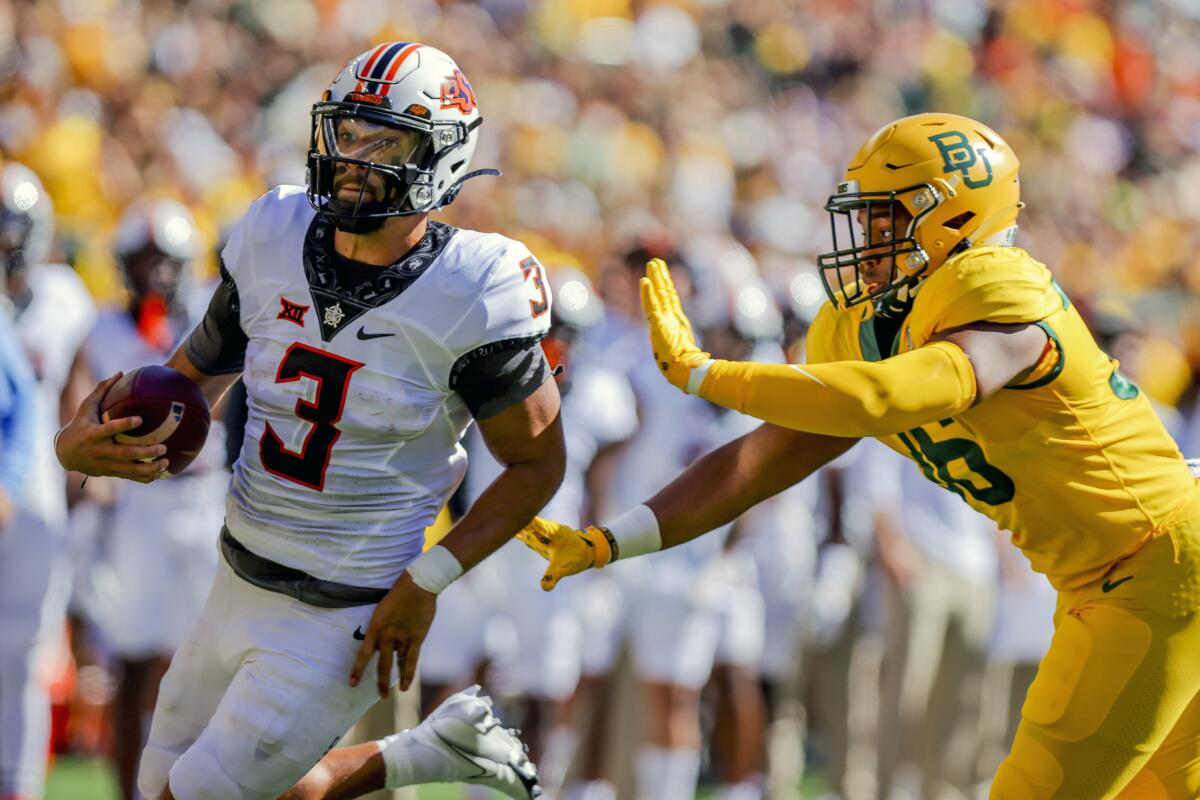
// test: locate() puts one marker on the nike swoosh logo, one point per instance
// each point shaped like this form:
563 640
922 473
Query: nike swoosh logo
362 334
1110 585
484 771
358 633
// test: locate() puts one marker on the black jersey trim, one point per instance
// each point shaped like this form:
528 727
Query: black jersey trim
339 298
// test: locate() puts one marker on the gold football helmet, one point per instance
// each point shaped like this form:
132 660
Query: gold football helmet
956 179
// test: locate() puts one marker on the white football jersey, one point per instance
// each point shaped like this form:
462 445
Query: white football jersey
52 328
353 427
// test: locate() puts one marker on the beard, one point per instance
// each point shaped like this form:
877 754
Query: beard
346 213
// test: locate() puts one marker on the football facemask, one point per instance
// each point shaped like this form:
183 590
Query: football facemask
863 226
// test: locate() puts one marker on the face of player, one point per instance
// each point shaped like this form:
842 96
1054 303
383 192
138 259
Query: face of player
14 235
153 273
880 224
367 141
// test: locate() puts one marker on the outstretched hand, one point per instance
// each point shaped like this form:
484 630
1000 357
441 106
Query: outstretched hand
86 443
569 550
671 337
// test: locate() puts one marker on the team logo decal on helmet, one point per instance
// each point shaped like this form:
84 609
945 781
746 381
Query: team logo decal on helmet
918 192
457 93
392 136
959 156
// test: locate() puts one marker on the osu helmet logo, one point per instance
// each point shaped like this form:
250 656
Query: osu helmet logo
957 156
457 93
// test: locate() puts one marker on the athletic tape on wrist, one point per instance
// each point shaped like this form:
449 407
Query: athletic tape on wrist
435 569
635 533
696 377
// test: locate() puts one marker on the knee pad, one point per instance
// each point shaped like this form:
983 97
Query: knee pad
197 775
153 769
1030 772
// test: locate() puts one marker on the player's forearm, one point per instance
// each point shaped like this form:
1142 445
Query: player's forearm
848 398
509 503
213 386
724 484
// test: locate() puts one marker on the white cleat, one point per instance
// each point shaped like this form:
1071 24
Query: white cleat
479 748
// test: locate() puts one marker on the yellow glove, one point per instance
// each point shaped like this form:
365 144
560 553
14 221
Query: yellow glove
569 550
671 337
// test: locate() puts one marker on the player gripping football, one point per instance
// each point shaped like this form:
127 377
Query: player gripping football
369 338
959 351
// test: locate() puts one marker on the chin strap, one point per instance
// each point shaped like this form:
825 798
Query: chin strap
453 191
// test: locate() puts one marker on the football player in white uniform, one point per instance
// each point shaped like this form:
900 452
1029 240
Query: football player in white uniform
53 314
368 338
154 545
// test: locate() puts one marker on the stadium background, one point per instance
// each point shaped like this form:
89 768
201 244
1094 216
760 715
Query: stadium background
719 119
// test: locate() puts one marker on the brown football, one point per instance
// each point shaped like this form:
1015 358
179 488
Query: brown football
172 407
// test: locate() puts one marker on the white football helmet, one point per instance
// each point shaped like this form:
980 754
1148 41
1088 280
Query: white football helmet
155 244
392 136
26 219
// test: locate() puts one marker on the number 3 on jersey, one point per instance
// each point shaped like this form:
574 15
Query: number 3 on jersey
531 267
332 376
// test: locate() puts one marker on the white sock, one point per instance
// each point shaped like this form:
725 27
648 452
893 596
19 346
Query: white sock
591 790
407 762
745 790
667 774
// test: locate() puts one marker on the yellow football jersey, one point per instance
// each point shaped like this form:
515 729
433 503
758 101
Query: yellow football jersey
1074 461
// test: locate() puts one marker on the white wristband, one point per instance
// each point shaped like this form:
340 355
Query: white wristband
435 569
635 533
696 377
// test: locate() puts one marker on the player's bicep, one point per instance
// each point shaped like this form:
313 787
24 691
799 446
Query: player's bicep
1000 354
217 346
530 430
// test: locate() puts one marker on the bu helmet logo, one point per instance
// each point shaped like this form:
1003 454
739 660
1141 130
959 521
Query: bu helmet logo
457 93
957 156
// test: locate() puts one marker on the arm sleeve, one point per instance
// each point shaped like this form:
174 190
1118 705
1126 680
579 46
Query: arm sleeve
495 376
849 398
19 425
218 344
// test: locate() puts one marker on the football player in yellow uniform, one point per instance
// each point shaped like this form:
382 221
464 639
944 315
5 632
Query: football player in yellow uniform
962 353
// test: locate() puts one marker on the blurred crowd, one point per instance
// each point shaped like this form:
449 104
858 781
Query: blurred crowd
711 131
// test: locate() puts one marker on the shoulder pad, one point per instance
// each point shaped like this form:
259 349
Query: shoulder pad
987 284
826 331
270 215
506 290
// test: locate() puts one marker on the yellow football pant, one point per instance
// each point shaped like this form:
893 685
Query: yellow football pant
1114 711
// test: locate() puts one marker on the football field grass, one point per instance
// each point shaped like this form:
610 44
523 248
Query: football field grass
90 779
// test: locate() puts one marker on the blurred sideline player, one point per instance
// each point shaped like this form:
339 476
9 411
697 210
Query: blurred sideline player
537 644
743 321
368 337
154 553
668 613
938 560
959 350
52 312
